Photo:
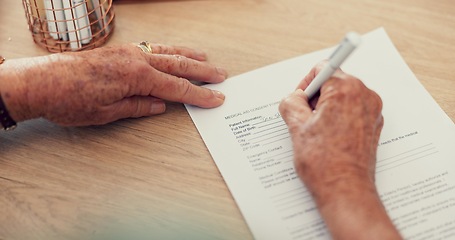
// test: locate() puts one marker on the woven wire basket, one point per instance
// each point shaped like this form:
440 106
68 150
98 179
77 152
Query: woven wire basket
69 25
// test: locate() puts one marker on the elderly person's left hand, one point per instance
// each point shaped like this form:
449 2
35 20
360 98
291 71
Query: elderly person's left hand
106 84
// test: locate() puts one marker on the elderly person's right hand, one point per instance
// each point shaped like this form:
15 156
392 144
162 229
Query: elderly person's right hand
106 84
335 141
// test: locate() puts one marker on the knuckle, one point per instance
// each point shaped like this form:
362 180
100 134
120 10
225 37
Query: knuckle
354 83
182 63
285 104
166 49
345 89
376 100
137 109
184 88
158 48
349 86
360 93
282 108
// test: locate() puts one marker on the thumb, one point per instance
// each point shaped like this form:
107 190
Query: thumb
295 109
137 106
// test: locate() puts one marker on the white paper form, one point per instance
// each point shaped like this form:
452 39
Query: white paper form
251 146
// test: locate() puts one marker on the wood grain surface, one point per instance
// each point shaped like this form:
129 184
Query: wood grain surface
71 183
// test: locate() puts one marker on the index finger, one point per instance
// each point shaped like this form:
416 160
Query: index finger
312 74
178 50
295 109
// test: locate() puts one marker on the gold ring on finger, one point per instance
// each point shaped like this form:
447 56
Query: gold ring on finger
145 47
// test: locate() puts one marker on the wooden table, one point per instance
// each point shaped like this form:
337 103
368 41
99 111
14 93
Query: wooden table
61 183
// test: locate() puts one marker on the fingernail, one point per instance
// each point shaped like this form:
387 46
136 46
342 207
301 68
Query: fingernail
200 54
218 94
299 92
222 72
158 107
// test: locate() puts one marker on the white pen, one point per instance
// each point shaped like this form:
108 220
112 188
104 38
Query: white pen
349 43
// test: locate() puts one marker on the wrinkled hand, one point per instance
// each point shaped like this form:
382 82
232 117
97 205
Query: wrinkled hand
335 145
338 138
106 84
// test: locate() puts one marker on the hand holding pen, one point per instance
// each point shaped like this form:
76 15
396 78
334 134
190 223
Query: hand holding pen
341 53
334 145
